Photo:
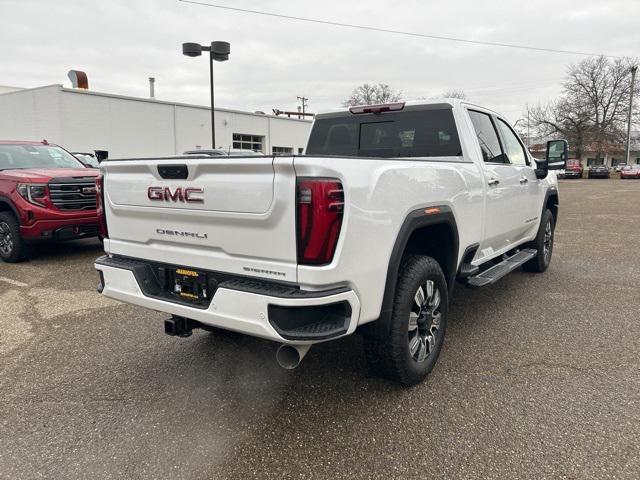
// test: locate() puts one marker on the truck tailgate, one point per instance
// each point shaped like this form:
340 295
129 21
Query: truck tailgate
230 214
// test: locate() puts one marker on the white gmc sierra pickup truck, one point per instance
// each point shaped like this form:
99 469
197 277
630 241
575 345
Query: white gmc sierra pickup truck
370 229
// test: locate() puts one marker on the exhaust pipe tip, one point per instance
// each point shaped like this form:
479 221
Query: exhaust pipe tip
290 356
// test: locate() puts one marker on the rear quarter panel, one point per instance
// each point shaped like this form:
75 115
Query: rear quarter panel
379 195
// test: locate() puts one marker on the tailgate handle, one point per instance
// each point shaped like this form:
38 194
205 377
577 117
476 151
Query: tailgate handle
173 172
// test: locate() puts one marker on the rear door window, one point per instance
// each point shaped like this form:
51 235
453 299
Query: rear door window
420 133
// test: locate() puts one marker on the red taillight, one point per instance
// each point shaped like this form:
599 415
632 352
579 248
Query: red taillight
320 207
102 218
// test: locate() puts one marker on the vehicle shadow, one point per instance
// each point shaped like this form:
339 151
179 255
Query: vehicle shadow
55 250
234 382
245 364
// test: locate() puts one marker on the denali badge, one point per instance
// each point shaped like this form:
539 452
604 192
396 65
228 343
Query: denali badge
165 194
178 233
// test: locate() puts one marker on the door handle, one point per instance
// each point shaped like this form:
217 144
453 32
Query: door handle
524 180
493 181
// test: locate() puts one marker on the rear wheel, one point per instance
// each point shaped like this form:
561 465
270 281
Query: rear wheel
543 243
418 323
12 246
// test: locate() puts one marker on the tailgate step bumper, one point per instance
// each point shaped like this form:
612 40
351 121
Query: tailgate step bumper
501 269
280 312
317 322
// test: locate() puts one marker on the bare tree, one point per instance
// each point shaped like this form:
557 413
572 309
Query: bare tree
455 93
565 119
592 109
370 94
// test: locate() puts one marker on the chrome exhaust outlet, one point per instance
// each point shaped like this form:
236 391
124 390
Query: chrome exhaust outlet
290 356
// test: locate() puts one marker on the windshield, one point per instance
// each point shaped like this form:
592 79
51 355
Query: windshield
88 159
36 156
421 133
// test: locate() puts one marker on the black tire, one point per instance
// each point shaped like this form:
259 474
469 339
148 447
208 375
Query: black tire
543 244
391 356
12 246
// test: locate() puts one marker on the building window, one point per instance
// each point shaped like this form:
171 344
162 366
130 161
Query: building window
282 150
301 151
638 161
248 142
594 161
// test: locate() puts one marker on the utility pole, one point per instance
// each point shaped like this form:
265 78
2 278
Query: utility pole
634 69
304 101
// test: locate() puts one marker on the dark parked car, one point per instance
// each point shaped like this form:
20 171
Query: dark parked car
599 171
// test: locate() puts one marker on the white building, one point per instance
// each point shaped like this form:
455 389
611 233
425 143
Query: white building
85 120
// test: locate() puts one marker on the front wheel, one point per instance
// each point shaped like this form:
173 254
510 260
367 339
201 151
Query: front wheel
543 243
418 324
12 246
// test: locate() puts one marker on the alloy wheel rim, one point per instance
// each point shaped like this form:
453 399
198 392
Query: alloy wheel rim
6 239
424 321
548 234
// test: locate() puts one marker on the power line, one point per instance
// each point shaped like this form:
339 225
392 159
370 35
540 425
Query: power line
397 32
508 86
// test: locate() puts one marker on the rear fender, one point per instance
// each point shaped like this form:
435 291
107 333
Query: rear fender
415 221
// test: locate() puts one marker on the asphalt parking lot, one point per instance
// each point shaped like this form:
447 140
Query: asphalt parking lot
539 378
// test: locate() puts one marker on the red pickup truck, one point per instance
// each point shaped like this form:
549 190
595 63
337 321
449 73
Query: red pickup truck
45 194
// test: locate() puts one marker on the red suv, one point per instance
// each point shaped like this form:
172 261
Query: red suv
45 194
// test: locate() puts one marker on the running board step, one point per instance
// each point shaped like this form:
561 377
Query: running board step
501 269
467 270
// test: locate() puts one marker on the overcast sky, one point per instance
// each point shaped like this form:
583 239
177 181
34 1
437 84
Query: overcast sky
119 43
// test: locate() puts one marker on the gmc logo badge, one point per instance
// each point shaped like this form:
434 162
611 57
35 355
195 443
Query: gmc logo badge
166 194
89 190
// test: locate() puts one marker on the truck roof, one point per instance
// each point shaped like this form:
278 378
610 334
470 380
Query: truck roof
432 102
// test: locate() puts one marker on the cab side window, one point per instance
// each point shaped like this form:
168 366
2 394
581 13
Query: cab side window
487 137
512 145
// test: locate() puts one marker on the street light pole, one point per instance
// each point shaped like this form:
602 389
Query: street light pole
634 69
213 113
219 52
